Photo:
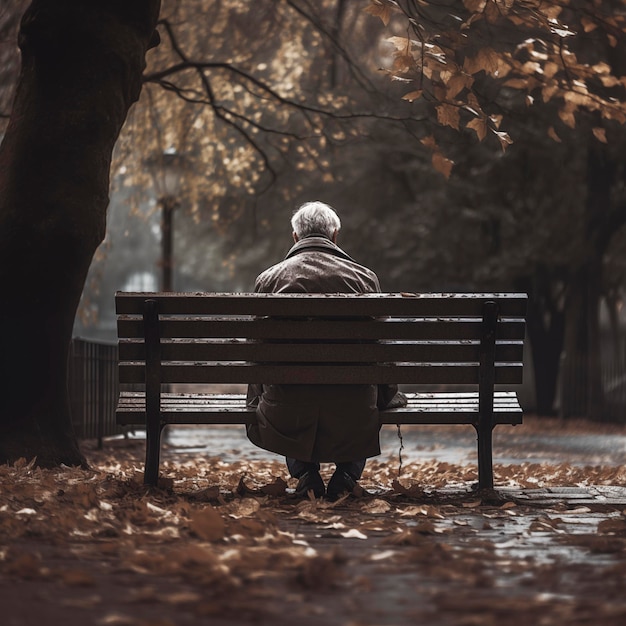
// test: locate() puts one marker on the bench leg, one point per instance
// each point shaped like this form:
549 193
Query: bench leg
153 452
484 432
487 376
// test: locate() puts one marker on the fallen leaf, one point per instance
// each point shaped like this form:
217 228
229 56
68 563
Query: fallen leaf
413 491
353 533
376 507
472 505
277 488
207 524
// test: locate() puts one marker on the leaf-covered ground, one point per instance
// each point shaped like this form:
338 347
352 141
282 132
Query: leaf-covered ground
227 543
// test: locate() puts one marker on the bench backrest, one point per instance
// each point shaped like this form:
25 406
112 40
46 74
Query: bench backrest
432 338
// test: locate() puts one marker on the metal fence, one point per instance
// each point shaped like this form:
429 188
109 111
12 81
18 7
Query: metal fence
573 389
614 385
93 388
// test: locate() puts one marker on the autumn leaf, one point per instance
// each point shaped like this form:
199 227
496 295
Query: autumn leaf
475 6
457 82
552 134
376 507
599 134
429 142
207 524
486 59
277 488
496 120
588 24
480 126
402 63
412 95
610 81
414 491
567 117
442 164
381 9
503 138
494 12
448 115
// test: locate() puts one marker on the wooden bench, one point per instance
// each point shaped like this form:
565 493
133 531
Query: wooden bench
432 339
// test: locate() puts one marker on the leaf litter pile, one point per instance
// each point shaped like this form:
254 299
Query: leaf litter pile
228 543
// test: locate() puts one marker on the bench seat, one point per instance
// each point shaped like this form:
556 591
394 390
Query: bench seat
422 408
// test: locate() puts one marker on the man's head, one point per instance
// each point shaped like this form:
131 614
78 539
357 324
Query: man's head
315 218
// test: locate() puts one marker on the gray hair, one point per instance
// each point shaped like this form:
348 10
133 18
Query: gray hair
315 218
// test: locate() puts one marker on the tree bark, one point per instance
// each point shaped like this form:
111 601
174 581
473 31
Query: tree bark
81 70
582 337
545 324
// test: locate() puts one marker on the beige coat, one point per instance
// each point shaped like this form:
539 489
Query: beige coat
325 423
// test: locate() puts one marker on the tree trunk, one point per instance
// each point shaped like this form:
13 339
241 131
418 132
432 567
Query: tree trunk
81 70
583 350
545 324
574 376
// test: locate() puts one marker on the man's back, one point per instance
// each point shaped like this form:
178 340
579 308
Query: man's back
320 422
316 265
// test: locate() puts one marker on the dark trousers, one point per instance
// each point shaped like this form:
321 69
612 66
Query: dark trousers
297 468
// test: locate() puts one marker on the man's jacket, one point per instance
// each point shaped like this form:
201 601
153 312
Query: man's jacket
324 423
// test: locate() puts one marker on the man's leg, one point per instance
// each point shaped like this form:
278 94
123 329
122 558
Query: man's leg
354 468
344 480
308 473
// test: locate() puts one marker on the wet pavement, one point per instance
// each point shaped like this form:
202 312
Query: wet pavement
557 443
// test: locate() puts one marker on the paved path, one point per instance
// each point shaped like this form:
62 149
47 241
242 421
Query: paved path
537 441
596 496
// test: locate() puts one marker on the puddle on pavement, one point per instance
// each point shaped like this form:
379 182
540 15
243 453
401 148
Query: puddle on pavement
514 538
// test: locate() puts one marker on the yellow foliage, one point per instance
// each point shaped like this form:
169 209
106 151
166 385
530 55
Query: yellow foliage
521 45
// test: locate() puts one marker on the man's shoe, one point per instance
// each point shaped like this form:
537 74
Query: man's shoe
339 483
310 481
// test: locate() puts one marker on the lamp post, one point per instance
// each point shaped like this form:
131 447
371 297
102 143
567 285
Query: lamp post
168 206
167 172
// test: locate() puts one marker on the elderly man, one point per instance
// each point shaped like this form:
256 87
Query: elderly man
310 424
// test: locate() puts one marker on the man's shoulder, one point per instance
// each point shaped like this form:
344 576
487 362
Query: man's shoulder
265 281
317 272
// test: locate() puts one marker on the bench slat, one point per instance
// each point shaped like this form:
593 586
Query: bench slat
431 408
236 350
407 373
266 329
426 304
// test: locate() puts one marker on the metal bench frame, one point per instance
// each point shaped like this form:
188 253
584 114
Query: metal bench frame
469 339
